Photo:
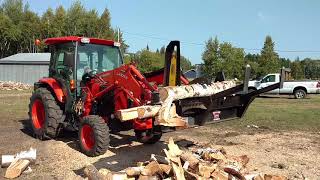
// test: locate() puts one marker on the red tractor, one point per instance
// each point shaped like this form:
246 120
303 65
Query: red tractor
88 83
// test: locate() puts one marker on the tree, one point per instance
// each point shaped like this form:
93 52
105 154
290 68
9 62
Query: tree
223 57
232 60
210 57
297 70
269 61
105 31
19 26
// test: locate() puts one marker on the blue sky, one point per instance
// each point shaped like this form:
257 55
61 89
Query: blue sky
293 24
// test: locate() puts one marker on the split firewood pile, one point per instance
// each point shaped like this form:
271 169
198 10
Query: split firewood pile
193 163
19 163
10 85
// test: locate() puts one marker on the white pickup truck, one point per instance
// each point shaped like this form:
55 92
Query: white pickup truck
299 89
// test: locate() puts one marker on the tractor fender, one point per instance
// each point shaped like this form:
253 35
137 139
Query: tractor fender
55 87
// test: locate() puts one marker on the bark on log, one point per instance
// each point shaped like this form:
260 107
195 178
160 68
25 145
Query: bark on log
92 173
194 90
16 168
166 112
6 160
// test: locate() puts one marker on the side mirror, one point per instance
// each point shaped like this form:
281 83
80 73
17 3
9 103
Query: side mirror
68 59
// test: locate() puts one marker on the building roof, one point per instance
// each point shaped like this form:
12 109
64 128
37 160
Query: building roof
27 58
58 40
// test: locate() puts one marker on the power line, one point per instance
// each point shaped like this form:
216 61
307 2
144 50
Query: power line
153 36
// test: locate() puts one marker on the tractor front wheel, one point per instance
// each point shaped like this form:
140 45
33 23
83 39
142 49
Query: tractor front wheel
149 136
45 114
93 136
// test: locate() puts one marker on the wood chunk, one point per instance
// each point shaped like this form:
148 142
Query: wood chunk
174 150
151 169
188 156
104 171
143 177
274 177
178 171
205 169
213 156
221 175
165 168
234 173
148 111
134 171
117 176
243 160
92 173
127 114
16 168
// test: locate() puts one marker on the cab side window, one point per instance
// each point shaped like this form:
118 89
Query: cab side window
270 78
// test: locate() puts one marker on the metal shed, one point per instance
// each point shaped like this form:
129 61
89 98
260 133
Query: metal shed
24 67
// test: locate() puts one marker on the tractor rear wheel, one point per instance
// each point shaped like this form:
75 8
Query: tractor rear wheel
149 136
93 136
45 114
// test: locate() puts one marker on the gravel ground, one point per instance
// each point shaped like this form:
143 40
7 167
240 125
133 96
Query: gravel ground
294 154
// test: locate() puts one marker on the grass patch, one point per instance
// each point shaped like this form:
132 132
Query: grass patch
281 114
271 113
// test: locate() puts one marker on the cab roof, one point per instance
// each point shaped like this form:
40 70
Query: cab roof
59 40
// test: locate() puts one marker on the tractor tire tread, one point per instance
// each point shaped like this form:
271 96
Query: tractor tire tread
54 113
101 131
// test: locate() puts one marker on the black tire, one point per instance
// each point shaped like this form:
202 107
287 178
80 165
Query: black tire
300 94
100 133
150 136
52 114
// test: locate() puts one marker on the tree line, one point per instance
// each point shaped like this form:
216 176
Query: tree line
232 60
20 27
147 60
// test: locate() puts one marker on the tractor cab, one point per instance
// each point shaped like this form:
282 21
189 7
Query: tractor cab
72 57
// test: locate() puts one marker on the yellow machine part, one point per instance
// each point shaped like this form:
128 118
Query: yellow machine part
173 71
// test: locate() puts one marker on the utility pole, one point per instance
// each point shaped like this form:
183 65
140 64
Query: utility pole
118 34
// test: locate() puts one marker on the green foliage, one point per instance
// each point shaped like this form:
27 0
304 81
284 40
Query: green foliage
20 27
222 57
147 60
269 60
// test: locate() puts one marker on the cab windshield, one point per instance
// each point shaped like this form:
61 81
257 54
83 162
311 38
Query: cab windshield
99 58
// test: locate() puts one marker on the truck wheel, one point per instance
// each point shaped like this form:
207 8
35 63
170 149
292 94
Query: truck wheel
149 136
300 94
45 114
93 136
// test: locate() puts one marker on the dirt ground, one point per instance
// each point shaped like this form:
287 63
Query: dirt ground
291 153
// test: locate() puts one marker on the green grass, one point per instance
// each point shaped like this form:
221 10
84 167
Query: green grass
282 114
274 113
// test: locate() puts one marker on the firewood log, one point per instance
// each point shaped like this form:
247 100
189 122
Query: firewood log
92 173
189 157
16 168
